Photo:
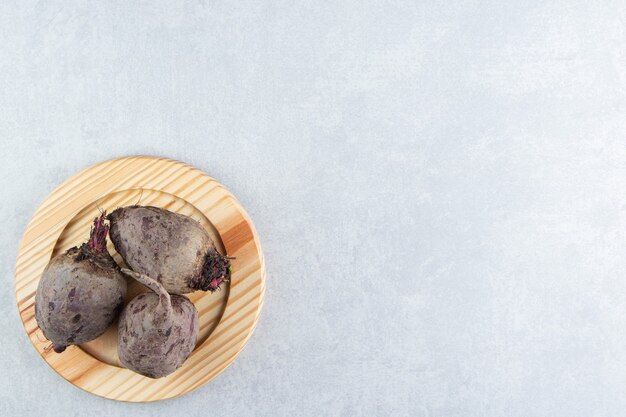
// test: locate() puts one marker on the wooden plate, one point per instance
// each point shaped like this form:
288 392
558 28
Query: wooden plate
227 317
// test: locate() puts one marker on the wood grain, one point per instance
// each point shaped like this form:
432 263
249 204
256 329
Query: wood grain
227 318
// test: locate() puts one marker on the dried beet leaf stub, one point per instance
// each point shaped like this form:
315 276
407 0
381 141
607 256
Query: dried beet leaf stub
216 271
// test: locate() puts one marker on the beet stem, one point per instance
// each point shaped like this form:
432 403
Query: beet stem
164 297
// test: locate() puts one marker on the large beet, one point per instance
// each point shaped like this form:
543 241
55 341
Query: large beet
157 331
80 293
172 248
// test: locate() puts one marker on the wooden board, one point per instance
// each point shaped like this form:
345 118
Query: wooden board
227 317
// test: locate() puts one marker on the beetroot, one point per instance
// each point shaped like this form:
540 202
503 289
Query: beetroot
172 248
80 293
157 331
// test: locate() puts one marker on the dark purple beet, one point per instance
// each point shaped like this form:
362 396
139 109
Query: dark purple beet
156 331
172 248
80 292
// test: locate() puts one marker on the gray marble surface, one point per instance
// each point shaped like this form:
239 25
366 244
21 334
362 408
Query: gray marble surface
439 187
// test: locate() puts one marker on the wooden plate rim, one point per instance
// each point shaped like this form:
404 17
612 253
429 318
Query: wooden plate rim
99 189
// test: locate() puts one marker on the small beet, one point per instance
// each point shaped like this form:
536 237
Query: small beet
172 248
157 331
80 292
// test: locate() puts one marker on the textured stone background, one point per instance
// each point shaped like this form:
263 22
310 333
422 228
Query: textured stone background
440 189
